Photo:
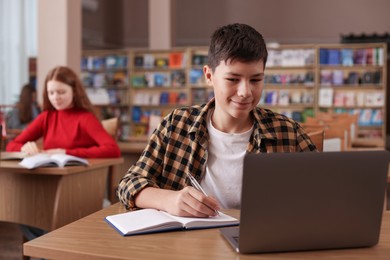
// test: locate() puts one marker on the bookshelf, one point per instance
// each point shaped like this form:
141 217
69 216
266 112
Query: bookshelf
301 80
162 80
158 85
352 79
200 92
290 81
105 75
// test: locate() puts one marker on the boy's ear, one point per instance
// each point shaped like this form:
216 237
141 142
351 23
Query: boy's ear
208 73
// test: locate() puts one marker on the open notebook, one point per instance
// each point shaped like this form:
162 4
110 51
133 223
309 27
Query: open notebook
151 221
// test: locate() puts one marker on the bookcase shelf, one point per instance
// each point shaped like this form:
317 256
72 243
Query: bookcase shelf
105 75
300 81
352 79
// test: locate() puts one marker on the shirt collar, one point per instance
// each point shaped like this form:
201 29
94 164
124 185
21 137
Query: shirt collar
263 127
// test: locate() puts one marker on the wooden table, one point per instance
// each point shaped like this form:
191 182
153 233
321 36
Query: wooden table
51 197
92 238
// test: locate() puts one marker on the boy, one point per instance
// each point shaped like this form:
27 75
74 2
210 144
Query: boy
210 141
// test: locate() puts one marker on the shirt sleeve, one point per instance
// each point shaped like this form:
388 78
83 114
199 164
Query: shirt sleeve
303 141
145 173
33 132
105 147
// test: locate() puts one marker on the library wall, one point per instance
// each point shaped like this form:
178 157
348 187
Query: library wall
287 22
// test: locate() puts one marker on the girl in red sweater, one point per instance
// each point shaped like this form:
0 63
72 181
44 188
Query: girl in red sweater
67 123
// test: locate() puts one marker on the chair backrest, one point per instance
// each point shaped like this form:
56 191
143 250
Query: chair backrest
317 137
111 126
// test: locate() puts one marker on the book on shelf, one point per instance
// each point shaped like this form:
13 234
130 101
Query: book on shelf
365 117
196 77
339 97
138 81
297 116
325 98
347 57
374 99
338 77
148 61
87 79
98 96
377 117
323 56
274 58
138 61
116 61
161 79
333 57
284 98
146 221
360 57
114 96
199 59
349 98
296 97
99 80
56 160
178 78
116 78
353 78
326 77
161 62
98 63
271 98
176 60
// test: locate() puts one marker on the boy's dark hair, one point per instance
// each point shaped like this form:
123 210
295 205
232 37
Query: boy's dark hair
236 42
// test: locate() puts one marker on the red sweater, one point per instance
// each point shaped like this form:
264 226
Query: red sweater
77 131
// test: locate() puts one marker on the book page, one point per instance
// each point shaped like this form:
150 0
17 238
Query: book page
220 220
37 161
66 159
142 221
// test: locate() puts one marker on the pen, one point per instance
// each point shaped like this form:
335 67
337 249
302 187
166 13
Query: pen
197 186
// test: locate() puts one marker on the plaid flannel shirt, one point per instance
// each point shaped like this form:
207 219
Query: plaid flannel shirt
179 145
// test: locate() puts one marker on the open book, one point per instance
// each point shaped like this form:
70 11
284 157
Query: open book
151 221
56 160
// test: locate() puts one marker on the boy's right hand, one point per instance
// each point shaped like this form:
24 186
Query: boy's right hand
189 202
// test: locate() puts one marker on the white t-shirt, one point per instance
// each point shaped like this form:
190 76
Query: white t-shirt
223 178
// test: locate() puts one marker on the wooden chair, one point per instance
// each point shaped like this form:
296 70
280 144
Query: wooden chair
111 126
317 137
340 126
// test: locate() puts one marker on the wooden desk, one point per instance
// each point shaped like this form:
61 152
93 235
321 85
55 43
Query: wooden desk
49 198
92 238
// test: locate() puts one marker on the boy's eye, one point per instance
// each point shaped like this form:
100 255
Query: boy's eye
232 79
256 80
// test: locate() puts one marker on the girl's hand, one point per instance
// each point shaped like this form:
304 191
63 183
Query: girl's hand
30 148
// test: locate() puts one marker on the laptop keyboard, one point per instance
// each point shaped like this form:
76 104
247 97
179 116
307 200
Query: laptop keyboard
236 238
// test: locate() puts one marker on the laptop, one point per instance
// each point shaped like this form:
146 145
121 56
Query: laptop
310 201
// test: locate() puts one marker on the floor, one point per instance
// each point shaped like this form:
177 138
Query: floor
11 238
11 241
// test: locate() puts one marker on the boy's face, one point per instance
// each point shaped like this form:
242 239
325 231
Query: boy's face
237 88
